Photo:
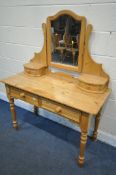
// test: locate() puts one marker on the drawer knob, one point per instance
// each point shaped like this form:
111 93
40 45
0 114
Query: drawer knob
22 95
58 109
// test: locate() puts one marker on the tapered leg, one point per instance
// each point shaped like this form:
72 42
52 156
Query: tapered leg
83 139
13 112
35 110
97 120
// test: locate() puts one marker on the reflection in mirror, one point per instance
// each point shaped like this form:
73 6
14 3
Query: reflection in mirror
65 40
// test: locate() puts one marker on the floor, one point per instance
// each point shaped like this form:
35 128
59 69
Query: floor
43 147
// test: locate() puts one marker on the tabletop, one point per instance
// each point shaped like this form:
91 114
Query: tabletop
61 89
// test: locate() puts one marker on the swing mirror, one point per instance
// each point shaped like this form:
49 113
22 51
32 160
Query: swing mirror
65 40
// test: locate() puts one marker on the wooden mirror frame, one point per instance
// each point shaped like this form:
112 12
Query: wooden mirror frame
82 19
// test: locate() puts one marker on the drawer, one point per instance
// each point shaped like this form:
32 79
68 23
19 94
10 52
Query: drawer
60 109
25 96
67 112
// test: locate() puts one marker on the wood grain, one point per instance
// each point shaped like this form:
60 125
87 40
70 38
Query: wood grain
63 91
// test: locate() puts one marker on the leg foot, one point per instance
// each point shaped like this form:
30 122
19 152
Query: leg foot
80 162
97 120
15 125
83 139
82 148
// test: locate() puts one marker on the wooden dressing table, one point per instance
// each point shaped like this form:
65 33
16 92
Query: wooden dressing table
75 98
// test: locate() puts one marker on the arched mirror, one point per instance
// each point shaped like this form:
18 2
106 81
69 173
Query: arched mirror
65 40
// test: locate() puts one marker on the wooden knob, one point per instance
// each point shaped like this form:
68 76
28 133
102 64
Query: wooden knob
22 95
58 109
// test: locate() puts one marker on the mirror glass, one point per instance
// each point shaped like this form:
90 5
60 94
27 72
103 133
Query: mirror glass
65 33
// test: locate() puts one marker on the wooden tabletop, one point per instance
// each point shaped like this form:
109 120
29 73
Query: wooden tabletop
58 88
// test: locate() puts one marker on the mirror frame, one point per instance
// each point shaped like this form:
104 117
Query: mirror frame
82 19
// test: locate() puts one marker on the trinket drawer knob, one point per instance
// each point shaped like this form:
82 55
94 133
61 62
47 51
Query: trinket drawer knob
58 109
22 95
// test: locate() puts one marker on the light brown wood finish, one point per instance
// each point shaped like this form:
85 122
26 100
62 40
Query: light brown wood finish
83 140
97 120
73 98
92 83
58 108
13 112
12 107
61 90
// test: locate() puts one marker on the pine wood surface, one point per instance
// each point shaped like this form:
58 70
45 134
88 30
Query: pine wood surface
33 65
93 79
62 90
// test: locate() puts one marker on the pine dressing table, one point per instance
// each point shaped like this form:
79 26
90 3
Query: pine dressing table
65 47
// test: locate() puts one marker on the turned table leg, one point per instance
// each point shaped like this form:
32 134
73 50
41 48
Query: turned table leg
83 139
97 120
13 112
35 110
